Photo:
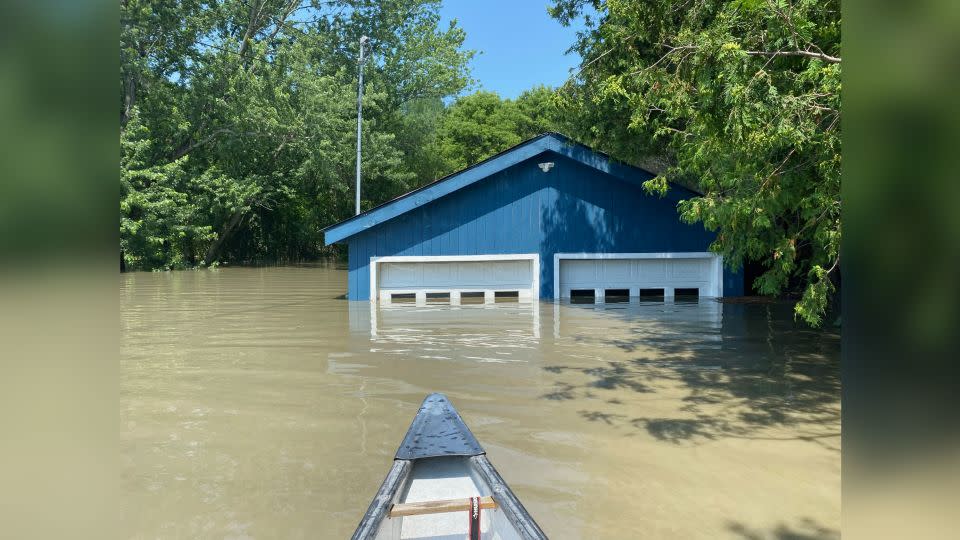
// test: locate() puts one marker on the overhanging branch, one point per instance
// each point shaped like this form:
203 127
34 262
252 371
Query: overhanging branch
809 54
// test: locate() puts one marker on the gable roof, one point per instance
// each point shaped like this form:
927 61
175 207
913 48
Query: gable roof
550 141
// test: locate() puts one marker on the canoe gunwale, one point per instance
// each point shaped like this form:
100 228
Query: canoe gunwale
507 502
379 508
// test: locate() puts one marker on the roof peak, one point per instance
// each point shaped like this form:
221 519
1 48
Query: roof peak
549 141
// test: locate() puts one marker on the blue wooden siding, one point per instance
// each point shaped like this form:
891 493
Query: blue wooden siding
572 208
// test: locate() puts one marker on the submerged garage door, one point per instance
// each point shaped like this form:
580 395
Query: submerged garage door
638 274
452 278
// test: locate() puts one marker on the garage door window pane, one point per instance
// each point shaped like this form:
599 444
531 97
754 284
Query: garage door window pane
651 295
614 296
687 295
473 297
506 296
582 296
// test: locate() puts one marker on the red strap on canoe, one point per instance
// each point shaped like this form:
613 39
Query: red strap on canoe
474 518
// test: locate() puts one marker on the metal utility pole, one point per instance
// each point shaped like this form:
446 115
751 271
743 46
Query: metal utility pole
363 41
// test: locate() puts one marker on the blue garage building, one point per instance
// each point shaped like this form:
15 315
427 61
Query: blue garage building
547 219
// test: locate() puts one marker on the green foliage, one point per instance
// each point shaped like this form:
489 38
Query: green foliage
417 139
738 99
158 218
479 125
238 120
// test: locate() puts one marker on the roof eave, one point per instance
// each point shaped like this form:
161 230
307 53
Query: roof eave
550 141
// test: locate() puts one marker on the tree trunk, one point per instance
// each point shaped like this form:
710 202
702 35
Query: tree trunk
129 99
225 234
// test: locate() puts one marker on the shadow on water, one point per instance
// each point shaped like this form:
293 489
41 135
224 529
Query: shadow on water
807 529
751 372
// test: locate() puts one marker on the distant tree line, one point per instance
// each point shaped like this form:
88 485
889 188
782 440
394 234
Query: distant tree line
238 119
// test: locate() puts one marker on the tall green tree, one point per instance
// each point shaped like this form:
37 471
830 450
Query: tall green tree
238 120
417 139
740 98
540 107
477 126
481 124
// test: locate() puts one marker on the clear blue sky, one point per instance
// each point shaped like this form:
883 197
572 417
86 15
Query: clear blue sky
519 45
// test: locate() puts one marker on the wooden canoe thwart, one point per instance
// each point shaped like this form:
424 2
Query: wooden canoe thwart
438 470
439 507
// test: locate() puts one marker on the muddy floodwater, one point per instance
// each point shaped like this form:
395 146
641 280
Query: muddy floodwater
258 403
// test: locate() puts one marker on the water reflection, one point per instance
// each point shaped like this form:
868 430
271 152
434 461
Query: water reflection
258 402
649 321
391 320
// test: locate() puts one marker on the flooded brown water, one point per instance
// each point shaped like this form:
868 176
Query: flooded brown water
257 403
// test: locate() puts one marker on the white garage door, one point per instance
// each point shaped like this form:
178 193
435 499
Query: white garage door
638 274
488 277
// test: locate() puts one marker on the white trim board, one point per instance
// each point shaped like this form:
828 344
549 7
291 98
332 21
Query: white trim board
714 288
534 259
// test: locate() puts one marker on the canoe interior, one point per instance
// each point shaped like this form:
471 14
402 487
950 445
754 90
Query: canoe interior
439 461
442 478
